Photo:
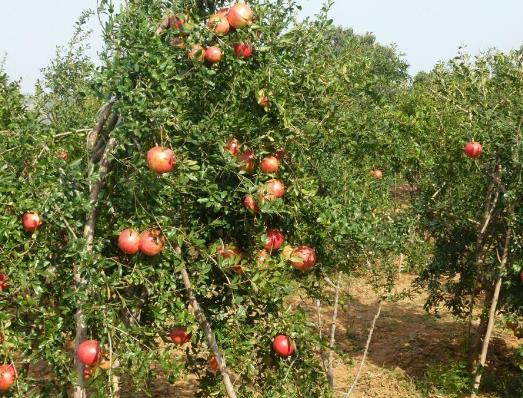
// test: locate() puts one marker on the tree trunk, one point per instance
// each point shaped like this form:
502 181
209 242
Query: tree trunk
94 193
492 316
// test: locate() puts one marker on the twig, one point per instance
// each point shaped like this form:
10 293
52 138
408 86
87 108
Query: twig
478 371
66 133
209 334
369 338
330 372
103 115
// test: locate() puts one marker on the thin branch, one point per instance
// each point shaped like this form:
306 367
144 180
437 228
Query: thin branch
369 339
103 115
209 334
478 372
332 341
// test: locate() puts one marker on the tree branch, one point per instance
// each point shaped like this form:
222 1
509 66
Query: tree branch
369 339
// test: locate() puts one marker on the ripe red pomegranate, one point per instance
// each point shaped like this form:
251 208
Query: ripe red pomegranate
275 189
243 50
197 53
129 241
7 376
303 258
213 364
152 242
377 173
219 23
240 15
180 336
3 282
213 54
279 154
232 146
160 159
274 240
283 346
270 164
250 204
473 149
31 221
247 159
88 372
89 352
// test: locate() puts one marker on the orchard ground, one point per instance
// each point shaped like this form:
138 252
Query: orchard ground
411 355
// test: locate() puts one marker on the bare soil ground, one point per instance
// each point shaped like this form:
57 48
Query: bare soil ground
406 342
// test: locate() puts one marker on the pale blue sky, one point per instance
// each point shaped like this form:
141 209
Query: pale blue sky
426 31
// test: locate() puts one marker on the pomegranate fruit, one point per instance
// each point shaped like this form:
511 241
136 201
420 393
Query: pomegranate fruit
232 146
247 159
270 164
31 221
89 352
179 335
303 258
219 23
129 241
243 50
240 15
197 53
152 242
3 282
473 149
377 173
250 204
274 239
283 346
274 189
160 159
7 376
213 54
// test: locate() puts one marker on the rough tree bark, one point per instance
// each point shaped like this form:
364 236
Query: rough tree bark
209 334
492 315
88 234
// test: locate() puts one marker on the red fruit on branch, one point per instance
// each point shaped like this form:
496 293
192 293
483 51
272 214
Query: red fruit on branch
89 352
279 154
303 258
160 159
219 23
377 173
129 241
274 189
152 242
180 336
7 376
232 252
232 146
213 54
212 363
274 239
247 159
3 282
283 346
240 15
473 149
250 204
88 372
31 221
270 164
243 50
